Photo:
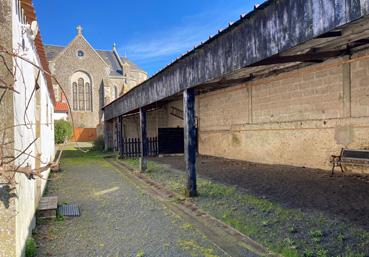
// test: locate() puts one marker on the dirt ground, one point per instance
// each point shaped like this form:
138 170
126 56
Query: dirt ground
343 196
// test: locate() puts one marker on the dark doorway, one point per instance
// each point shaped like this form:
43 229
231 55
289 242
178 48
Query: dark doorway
171 140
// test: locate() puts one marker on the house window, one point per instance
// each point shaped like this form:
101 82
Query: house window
82 92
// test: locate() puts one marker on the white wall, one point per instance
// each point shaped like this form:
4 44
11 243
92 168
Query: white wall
60 116
24 134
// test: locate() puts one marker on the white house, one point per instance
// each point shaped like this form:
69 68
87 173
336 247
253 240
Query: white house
61 109
26 122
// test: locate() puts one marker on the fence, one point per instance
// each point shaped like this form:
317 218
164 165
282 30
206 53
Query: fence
132 147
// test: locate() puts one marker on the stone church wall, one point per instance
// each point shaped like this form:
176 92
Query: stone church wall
68 63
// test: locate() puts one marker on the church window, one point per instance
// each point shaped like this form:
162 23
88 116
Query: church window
88 96
75 99
80 53
81 91
81 94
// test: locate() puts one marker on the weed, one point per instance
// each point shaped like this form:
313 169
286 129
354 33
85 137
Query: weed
187 226
31 247
322 253
292 229
140 253
308 253
195 249
287 252
340 237
290 243
316 235
265 223
59 216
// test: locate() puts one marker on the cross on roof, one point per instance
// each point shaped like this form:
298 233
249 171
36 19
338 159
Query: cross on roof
79 29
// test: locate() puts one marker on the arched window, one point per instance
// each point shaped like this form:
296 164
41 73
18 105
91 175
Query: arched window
88 96
75 99
81 94
81 91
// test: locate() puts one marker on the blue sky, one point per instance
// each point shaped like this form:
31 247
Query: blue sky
152 33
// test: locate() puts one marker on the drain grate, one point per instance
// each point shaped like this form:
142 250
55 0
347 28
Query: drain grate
71 210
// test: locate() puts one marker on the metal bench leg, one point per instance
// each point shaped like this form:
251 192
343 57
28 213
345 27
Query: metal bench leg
341 168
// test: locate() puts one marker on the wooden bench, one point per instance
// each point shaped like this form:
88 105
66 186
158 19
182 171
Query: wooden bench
351 157
47 207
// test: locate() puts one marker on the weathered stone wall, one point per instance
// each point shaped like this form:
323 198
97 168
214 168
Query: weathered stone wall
133 77
67 63
7 199
299 118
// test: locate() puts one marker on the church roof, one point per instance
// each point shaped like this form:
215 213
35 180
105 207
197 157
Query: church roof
109 58
52 51
131 65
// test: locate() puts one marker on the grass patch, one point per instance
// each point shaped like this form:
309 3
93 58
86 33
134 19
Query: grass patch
140 253
289 232
73 156
31 247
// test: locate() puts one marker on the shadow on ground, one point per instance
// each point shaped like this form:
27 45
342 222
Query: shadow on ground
340 196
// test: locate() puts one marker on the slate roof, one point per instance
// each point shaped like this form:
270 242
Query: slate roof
52 51
108 56
131 65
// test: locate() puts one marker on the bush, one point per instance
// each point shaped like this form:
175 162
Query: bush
31 247
99 143
63 131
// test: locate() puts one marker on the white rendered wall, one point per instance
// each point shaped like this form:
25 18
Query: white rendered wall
60 116
25 127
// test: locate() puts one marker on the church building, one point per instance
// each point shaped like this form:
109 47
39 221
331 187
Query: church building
90 79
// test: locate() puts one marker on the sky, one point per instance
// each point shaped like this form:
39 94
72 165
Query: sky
151 33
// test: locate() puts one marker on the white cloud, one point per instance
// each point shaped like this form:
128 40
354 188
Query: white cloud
173 41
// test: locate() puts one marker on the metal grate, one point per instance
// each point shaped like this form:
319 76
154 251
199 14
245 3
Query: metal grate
71 210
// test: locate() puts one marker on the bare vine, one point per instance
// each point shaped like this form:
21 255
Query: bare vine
13 161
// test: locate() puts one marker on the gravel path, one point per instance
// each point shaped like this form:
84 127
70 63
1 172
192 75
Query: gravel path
117 219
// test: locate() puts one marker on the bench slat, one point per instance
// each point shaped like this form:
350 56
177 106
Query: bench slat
355 154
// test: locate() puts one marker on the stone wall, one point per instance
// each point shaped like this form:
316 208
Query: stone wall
7 199
67 63
299 118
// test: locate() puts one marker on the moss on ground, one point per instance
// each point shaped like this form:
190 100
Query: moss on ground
290 232
195 249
